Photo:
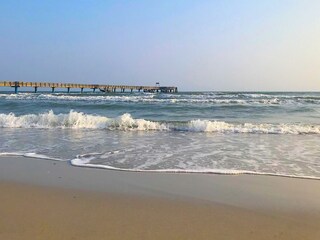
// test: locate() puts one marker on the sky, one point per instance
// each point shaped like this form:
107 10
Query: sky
227 45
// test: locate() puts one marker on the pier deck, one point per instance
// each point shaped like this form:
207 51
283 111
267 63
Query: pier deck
103 88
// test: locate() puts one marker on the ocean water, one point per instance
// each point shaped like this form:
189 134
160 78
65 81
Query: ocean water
272 133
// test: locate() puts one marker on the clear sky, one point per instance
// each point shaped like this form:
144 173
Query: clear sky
195 45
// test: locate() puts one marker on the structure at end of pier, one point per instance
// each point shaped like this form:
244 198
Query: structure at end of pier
103 88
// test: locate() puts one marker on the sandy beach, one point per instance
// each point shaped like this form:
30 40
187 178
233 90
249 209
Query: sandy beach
53 200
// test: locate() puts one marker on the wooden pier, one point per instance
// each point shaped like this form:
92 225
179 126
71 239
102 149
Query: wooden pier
103 88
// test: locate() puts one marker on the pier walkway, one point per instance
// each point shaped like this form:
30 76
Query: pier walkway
103 88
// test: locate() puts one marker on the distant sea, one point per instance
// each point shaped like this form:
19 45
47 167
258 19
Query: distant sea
272 133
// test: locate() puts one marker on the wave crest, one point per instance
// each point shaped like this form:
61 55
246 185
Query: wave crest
125 122
77 120
223 127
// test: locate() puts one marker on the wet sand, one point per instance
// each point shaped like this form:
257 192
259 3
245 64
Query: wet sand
53 200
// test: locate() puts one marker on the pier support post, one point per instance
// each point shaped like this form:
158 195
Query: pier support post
81 90
52 89
68 90
35 89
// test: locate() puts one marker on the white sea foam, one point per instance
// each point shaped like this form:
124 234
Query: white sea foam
86 159
31 155
86 162
125 122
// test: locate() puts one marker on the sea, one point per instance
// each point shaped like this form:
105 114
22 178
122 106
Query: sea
258 133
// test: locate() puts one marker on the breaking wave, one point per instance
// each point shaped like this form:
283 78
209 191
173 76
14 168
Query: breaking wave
77 120
125 122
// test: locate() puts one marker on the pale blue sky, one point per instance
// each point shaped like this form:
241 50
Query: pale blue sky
195 45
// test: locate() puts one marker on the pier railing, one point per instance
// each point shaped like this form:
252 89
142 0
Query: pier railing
103 88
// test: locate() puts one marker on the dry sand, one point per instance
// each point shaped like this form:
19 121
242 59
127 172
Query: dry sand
46 200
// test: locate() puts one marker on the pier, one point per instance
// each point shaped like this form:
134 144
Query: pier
103 88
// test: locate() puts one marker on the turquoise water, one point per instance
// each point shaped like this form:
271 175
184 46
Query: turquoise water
207 132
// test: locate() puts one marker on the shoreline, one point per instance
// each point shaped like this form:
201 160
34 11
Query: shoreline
54 200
